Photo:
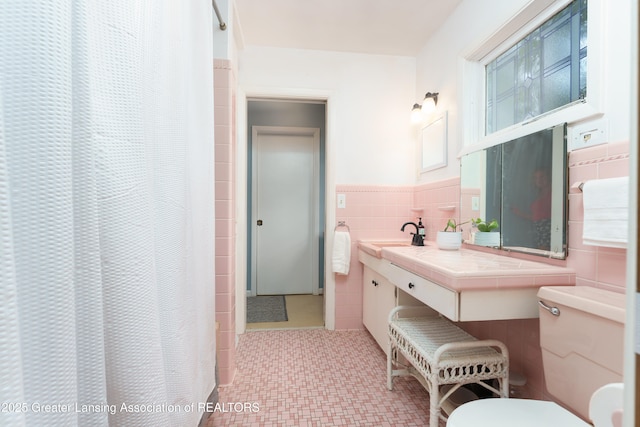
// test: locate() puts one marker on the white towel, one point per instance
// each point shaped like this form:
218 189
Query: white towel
341 252
606 212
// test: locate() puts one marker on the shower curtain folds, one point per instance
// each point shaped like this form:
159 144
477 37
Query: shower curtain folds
106 212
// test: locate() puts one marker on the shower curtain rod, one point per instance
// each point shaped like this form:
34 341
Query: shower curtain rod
223 26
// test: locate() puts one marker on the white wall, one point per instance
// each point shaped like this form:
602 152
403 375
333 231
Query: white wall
369 101
440 65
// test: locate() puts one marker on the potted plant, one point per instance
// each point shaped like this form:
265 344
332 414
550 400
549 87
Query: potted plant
450 238
485 236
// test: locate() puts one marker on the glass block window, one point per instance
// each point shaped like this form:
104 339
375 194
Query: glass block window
544 71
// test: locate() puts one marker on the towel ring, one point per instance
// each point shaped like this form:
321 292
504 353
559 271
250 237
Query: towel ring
342 224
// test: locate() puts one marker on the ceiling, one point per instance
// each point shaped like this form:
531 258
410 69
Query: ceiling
388 27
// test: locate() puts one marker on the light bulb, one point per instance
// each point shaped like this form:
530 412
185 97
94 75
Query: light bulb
416 114
428 105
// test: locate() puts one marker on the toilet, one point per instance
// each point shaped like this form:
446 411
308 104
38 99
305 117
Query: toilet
582 341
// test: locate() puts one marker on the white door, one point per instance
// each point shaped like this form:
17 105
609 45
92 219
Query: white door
285 203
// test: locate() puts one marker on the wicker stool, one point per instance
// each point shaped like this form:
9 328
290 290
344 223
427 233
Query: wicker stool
441 353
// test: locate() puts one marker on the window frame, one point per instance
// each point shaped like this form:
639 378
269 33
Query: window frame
524 22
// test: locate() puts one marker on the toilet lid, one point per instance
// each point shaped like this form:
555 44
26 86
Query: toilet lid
513 412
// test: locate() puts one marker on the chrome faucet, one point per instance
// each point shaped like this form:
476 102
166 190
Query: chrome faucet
417 240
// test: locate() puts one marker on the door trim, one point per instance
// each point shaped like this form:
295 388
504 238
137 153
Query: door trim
244 94
315 231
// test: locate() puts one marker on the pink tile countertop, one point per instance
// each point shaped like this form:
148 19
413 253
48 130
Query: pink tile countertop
374 247
468 269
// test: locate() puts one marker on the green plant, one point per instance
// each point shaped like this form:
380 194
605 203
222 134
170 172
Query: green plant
451 224
484 226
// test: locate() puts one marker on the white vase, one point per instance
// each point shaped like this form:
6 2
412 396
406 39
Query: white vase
487 238
449 240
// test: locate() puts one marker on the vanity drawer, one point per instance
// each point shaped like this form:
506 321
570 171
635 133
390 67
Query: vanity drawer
441 299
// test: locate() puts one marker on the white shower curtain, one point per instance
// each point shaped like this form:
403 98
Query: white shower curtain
106 212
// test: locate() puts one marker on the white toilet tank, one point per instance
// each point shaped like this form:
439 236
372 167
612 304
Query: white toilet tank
582 346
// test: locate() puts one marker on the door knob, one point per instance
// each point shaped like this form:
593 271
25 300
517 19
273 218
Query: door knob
259 222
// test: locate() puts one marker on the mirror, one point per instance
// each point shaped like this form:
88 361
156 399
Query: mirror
433 144
521 183
480 188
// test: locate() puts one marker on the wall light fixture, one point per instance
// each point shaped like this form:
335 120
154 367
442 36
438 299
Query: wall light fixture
428 106
430 101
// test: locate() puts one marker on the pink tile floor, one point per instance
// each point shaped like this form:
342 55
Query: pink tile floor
316 377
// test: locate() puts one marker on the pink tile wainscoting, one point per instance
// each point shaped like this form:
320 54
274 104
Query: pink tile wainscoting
370 211
596 266
439 201
225 147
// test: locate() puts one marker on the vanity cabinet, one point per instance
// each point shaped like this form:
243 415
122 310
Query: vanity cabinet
378 299
441 299
464 285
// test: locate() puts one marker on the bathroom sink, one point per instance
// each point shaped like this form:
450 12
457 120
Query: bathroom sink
389 244
374 247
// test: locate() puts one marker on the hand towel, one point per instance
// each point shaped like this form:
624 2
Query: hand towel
606 212
341 252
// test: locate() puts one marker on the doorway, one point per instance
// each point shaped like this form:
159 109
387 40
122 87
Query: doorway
286 176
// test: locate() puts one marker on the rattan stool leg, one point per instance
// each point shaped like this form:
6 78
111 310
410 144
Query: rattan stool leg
434 404
389 366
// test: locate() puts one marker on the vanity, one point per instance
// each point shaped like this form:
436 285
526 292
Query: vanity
462 285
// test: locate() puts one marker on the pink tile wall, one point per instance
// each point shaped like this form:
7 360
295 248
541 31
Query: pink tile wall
596 266
599 267
225 137
440 201
522 338
371 212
